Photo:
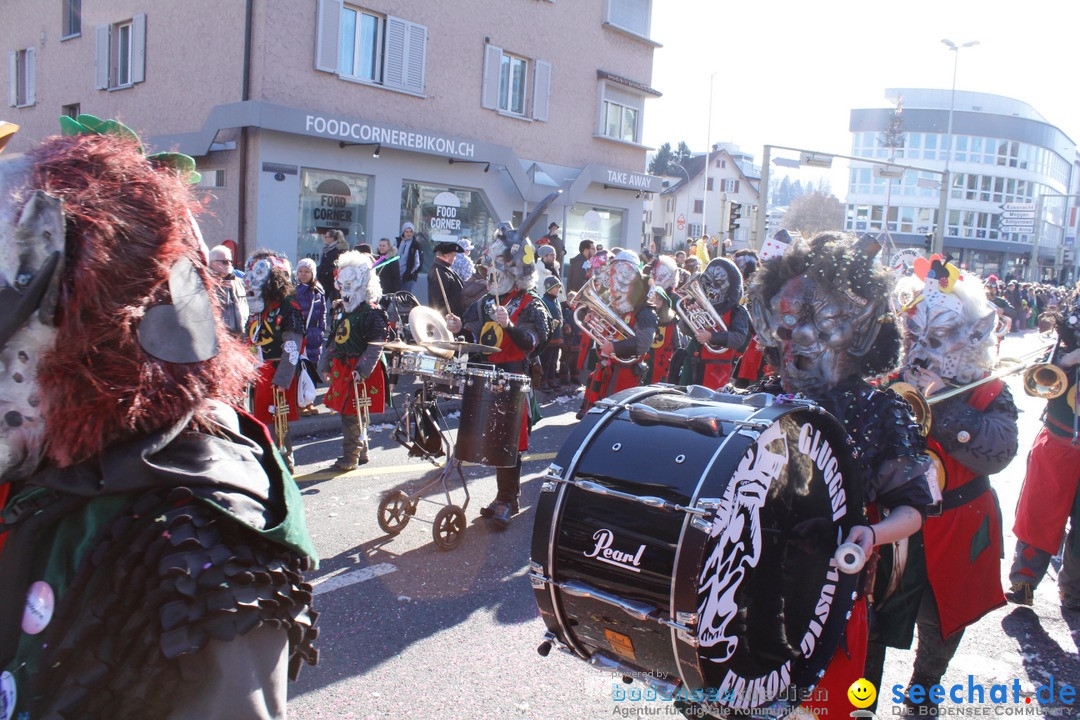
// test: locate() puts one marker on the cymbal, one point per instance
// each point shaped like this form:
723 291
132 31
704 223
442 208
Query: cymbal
427 325
458 346
398 346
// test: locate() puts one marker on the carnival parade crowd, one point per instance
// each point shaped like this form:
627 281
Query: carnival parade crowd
159 544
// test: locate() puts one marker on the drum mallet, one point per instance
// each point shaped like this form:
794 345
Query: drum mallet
850 558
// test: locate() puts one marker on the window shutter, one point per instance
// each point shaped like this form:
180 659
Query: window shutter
415 57
13 78
492 61
736 190
397 38
138 48
101 57
541 90
328 35
31 72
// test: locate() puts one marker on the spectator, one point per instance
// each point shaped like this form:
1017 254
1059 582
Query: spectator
333 245
549 358
552 238
546 267
232 298
411 257
389 272
577 274
680 258
463 264
312 299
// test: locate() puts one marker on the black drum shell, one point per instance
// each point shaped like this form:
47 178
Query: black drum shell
492 410
680 465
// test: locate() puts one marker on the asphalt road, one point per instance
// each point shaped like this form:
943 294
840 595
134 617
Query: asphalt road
409 631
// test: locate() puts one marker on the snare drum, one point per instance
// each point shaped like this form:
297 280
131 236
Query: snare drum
689 542
492 413
444 375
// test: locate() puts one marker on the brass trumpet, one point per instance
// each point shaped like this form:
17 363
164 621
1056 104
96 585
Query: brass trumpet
1040 380
281 416
694 308
594 315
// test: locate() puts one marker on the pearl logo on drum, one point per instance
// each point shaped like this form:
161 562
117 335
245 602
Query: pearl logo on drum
604 539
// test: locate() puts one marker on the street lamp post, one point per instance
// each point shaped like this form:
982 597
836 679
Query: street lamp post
676 223
708 148
943 207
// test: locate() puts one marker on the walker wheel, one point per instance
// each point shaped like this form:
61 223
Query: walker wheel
395 511
449 527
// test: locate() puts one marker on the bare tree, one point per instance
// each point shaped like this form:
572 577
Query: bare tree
813 213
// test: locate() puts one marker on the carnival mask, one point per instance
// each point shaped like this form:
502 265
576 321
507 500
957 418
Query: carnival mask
664 273
511 262
352 282
623 283
255 277
722 283
30 252
820 334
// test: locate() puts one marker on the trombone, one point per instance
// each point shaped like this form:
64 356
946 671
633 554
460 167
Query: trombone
1047 381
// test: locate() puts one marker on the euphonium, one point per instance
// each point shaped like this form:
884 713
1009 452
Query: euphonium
594 315
694 308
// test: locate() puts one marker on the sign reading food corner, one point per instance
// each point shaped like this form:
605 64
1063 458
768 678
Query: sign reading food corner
445 225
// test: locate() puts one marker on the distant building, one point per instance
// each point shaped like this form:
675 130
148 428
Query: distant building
305 116
1003 153
678 212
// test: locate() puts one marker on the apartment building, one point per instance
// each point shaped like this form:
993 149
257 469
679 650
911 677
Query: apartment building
305 115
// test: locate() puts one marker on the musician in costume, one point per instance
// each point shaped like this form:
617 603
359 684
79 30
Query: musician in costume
948 575
668 340
153 540
351 365
711 353
824 307
276 330
621 286
511 317
1051 492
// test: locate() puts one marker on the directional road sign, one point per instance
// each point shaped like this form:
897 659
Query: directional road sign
1016 225
1017 214
1019 207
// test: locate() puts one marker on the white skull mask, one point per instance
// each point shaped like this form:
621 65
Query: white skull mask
255 279
352 282
623 285
22 427
949 333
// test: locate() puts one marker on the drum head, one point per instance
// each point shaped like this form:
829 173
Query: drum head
771 603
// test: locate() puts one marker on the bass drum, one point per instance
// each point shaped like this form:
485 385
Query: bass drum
687 540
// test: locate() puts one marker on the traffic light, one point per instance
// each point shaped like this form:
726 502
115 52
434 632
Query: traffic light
733 217
928 242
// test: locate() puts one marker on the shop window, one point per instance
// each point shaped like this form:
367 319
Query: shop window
330 200
360 45
72 21
602 225
120 54
507 87
440 213
21 78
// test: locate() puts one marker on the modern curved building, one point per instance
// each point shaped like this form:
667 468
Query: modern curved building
1007 164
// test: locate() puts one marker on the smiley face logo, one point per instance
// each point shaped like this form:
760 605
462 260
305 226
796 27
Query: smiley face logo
862 693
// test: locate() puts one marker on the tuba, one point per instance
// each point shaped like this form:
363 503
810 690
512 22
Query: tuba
594 315
694 308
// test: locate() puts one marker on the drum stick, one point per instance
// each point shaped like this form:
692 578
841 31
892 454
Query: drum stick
442 288
495 283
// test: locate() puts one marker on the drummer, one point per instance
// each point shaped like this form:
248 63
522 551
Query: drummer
444 286
824 307
512 318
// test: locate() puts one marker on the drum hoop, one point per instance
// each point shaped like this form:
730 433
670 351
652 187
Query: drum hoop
560 496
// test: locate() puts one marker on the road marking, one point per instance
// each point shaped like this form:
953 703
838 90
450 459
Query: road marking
401 469
336 581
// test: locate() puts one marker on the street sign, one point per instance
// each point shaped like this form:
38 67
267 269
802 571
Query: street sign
1030 224
681 222
1019 207
1016 214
